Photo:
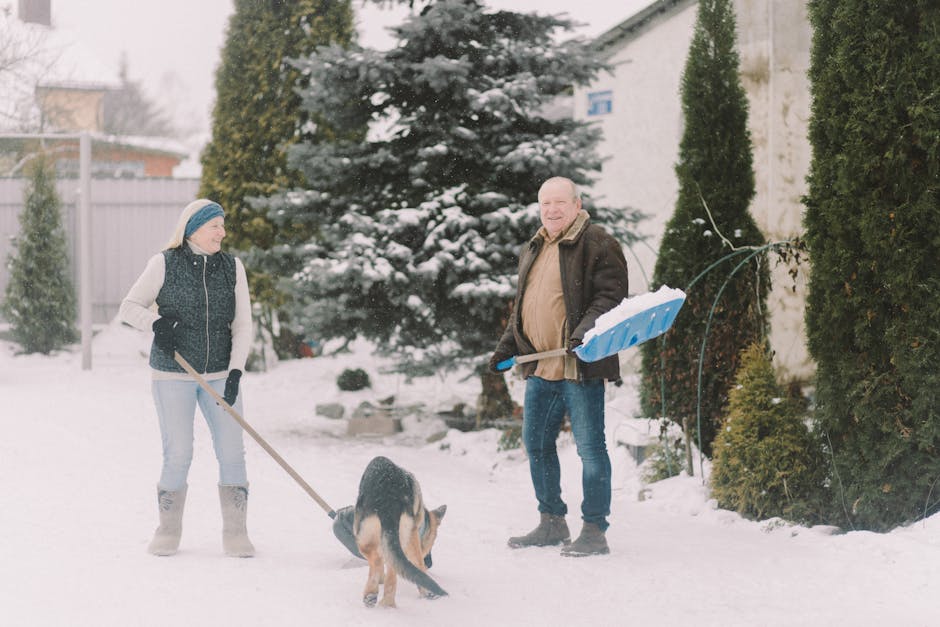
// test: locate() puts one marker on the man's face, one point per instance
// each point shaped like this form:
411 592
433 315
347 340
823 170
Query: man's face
557 206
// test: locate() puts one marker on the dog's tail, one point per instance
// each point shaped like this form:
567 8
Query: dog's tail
402 565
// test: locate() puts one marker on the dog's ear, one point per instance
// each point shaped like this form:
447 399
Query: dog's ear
439 512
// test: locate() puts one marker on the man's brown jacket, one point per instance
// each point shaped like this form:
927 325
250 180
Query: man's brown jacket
594 281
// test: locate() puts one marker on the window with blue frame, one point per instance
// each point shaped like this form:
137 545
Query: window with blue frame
600 102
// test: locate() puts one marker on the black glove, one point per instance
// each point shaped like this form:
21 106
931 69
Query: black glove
231 386
495 359
573 343
164 334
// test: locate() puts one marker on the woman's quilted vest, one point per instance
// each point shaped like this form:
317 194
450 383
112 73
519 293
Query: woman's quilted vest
199 291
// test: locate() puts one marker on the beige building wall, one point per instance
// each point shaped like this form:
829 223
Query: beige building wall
644 127
774 38
73 110
641 133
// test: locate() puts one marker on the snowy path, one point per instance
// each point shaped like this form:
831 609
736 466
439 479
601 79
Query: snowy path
79 456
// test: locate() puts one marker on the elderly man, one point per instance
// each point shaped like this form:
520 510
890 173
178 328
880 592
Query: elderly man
570 273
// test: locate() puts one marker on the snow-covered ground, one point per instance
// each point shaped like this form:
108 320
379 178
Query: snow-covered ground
80 455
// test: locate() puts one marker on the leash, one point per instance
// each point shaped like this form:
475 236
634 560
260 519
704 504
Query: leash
342 525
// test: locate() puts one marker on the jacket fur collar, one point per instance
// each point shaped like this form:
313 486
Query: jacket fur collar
570 235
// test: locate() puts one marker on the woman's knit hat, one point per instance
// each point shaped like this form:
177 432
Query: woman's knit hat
182 230
205 213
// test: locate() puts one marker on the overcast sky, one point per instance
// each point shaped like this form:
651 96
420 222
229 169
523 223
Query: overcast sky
173 46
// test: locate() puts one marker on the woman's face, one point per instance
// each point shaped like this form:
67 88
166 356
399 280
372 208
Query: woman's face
208 237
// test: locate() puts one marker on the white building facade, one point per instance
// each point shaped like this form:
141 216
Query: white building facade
638 107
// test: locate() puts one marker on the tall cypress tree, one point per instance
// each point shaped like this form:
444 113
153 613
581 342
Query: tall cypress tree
257 116
40 301
715 170
873 311
417 226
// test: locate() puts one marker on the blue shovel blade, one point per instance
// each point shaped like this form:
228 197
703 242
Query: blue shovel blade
638 328
634 330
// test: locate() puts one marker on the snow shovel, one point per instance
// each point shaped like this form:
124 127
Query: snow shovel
634 321
342 519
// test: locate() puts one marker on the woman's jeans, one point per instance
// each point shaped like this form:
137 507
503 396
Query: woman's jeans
176 408
546 403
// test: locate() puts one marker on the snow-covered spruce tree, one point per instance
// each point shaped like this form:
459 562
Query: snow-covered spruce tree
418 225
873 308
711 219
258 115
40 301
766 462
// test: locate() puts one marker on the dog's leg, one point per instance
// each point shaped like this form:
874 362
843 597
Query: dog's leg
390 586
371 592
368 533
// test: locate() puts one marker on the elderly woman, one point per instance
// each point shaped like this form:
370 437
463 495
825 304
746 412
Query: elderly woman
203 312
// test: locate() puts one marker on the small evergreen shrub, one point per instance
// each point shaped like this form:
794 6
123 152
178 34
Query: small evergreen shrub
661 463
40 300
766 462
510 439
353 379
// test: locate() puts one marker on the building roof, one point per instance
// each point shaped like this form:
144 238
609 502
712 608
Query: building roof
611 41
153 145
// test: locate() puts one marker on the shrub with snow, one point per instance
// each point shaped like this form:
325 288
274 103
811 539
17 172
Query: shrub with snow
353 379
766 462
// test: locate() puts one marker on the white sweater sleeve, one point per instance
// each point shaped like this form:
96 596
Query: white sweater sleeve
137 307
241 324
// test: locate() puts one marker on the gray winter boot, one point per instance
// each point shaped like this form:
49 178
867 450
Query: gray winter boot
592 541
552 530
234 500
166 539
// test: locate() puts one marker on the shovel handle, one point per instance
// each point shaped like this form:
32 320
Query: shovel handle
506 364
254 434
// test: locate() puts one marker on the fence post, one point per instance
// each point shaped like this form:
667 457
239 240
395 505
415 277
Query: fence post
84 246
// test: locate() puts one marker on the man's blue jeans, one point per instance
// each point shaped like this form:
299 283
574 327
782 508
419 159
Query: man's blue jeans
545 405
176 407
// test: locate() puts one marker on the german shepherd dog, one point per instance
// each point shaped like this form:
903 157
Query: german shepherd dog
394 531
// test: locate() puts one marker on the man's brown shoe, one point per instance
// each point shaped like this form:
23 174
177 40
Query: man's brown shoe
592 541
552 530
